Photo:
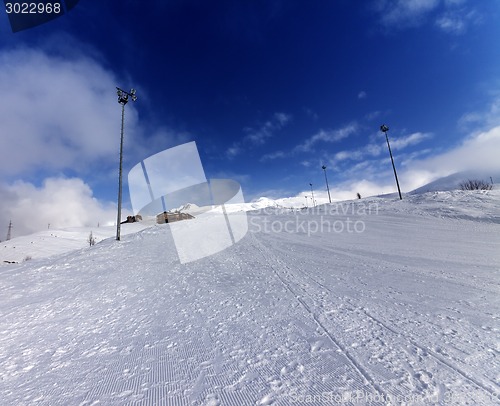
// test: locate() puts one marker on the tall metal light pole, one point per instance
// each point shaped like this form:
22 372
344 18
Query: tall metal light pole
307 205
123 100
326 179
384 129
9 231
312 193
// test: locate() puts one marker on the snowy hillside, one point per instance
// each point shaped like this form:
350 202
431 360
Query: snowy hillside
452 182
258 204
363 302
58 241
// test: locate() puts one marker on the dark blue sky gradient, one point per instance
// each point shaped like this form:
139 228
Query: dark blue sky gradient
220 70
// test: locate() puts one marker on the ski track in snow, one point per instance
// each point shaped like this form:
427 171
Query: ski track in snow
337 344
489 388
407 308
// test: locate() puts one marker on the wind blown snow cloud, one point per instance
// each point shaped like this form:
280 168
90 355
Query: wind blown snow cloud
57 113
478 152
59 116
60 202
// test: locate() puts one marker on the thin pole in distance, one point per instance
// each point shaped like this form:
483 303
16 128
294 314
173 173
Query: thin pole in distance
326 179
384 129
312 194
123 97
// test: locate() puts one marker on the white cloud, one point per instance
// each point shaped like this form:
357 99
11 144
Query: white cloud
404 12
267 130
282 118
61 115
57 113
61 202
259 136
321 136
453 16
341 156
348 190
454 2
374 149
233 151
412 139
451 24
327 136
273 155
477 152
457 21
372 115
481 120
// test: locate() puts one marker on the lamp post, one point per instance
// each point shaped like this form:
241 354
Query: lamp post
312 194
326 179
9 231
123 100
384 129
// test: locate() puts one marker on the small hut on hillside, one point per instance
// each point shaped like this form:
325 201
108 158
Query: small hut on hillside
132 219
168 217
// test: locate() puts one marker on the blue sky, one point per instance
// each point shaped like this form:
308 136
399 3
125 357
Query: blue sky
269 90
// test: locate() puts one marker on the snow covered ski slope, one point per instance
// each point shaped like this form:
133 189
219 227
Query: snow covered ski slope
377 301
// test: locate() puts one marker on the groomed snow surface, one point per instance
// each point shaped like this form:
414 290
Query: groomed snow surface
376 301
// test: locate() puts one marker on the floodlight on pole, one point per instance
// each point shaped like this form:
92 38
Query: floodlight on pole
326 180
312 193
384 129
9 231
123 98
